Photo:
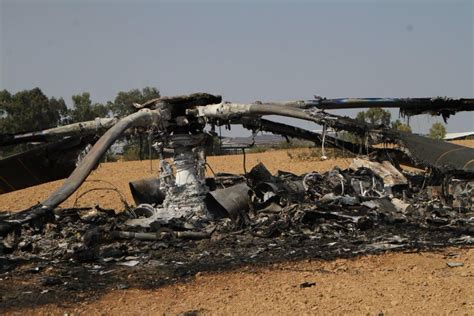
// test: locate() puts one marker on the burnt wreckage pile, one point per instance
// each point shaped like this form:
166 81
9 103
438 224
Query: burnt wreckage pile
374 205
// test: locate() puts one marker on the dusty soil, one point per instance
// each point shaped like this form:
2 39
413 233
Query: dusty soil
391 283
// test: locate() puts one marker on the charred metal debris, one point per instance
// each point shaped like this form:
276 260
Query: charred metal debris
374 205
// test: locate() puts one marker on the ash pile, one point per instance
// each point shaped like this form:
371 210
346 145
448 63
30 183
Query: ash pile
370 207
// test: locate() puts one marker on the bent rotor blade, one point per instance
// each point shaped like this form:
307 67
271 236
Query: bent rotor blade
45 163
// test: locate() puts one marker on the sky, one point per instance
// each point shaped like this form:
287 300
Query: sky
243 50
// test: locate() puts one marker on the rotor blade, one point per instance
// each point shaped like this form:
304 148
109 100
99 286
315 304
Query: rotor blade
144 117
45 163
408 106
98 125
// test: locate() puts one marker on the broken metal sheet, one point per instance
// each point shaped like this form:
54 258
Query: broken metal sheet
231 202
320 184
385 171
291 190
147 191
45 163
461 193
438 154
366 184
400 205
283 189
272 207
259 173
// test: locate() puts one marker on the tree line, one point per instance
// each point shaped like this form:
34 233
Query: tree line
32 110
378 116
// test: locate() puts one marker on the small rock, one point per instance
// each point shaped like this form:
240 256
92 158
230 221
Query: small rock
196 312
453 264
307 284
452 255
34 270
122 286
130 263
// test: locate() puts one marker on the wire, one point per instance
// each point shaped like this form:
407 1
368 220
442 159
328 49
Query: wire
244 162
114 188
141 154
220 140
122 198
210 168
213 173
323 150
150 133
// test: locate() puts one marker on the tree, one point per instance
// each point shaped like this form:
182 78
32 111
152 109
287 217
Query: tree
5 102
123 103
398 125
375 116
437 131
84 110
29 110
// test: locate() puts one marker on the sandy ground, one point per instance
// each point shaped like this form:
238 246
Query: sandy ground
392 284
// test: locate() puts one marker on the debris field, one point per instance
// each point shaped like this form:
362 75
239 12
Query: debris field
368 208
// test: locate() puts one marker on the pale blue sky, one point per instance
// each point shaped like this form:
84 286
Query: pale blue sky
245 51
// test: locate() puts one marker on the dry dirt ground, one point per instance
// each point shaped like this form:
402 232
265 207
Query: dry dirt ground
392 283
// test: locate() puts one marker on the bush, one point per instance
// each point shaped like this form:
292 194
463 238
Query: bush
315 154
133 151
437 131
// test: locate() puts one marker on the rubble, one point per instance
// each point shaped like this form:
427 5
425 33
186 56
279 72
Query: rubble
453 264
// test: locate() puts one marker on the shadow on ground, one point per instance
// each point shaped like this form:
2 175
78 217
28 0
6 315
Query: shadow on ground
36 282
